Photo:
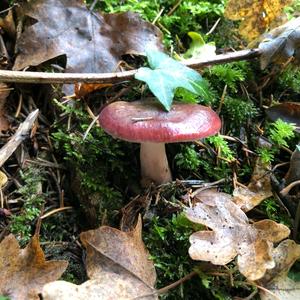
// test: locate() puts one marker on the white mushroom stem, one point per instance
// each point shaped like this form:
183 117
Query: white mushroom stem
154 164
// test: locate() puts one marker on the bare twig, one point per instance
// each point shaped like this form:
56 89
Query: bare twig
8 149
41 77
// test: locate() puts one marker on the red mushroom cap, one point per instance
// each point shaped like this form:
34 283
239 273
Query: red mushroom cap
143 121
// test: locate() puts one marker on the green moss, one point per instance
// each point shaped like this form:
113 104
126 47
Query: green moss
33 198
167 239
99 168
231 74
238 112
290 79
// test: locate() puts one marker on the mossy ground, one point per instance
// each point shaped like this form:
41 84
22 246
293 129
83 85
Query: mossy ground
98 175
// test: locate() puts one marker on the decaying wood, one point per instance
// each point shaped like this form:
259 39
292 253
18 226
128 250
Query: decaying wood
41 77
8 149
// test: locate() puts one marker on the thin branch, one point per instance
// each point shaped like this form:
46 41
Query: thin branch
41 77
21 134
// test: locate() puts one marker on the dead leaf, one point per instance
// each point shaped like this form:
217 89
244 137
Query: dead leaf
83 89
276 279
117 264
288 112
4 93
25 271
293 173
281 44
256 16
92 42
108 286
232 235
258 189
7 23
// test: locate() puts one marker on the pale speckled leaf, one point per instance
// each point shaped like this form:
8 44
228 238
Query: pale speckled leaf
276 279
232 235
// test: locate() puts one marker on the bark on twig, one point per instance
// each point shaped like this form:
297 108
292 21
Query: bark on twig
21 134
41 77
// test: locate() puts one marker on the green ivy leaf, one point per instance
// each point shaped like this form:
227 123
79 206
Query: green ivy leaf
165 75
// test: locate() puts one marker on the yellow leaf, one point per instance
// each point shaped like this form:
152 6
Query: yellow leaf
257 16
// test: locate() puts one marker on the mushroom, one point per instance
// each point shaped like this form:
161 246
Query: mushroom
146 123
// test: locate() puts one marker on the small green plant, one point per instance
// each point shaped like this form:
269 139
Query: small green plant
281 132
222 146
32 196
266 154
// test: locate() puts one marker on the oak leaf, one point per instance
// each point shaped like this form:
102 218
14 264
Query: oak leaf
92 42
258 189
24 272
257 16
117 264
232 235
276 280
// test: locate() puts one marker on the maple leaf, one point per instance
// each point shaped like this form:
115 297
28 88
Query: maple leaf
165 75
257 15
276 280
25 271
117 264
281 44
232 235
92 42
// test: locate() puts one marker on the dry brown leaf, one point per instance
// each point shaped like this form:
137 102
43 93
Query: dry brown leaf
232 235
83 89
3 179
92 42
288 112
276 280
256 16
117 264
7 23
293 173
25 271
257 190
281 44
4 92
